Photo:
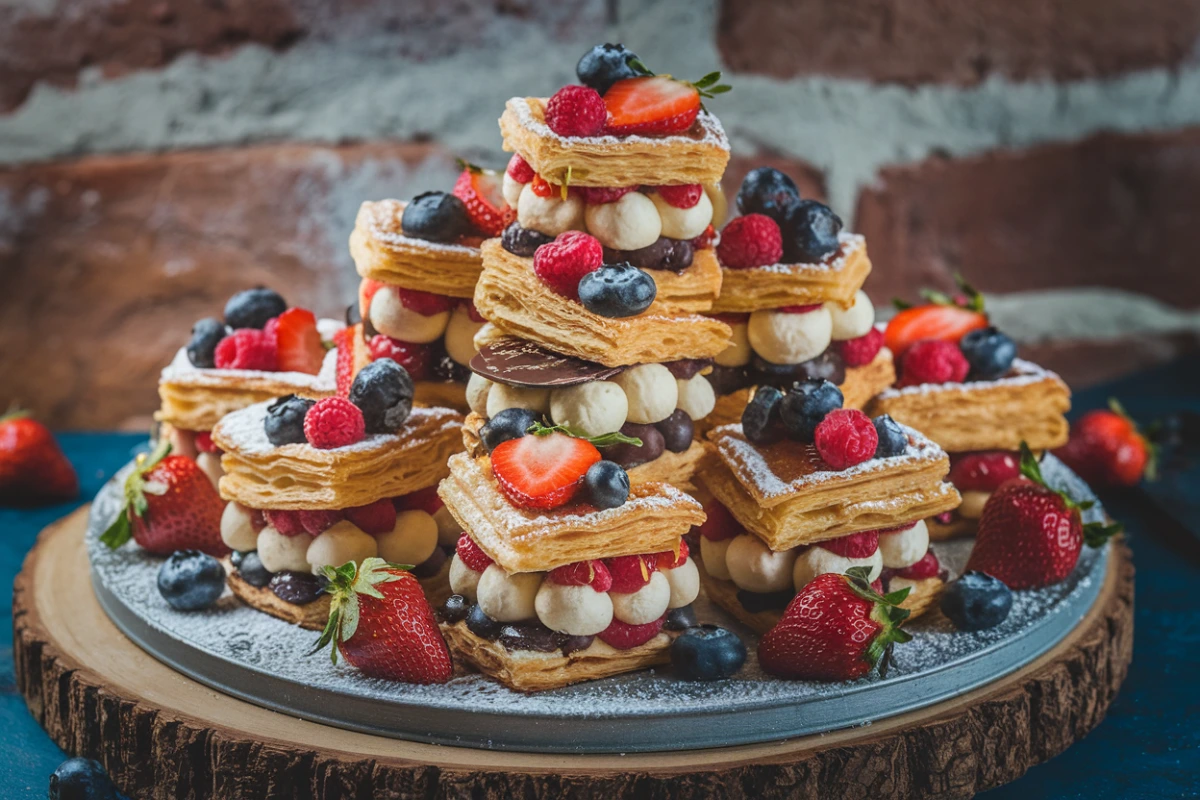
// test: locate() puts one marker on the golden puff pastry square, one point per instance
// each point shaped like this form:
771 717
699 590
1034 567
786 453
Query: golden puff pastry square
195 399
836 279
382 252
517 303
261 475
698 155
786 495
532 671
652 520
1027 405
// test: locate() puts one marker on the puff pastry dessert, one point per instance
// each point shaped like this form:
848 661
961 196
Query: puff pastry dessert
835 279
383 253
445 381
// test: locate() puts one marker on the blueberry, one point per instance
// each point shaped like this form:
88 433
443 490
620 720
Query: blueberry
523 241
893 441
677 431
82 779
284 422
681 618
237 556
617 290
383 391
511 423
253 307
726 380
455 609
300 588
707 653
989 352
252 571
810 232
760 417
829 365
206 335
190 580
353 315
607 484
604 65
976 601
481 624
767 191
803 408
630 455
435 217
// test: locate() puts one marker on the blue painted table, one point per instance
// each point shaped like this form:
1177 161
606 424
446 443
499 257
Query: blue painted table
1148 747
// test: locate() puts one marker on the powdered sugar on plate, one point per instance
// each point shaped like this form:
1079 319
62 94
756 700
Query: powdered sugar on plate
1023 373
711 128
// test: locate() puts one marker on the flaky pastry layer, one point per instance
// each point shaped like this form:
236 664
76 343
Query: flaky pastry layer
834 280
1028 405
652 520
383 253
519 304
531 671
698 156
300 476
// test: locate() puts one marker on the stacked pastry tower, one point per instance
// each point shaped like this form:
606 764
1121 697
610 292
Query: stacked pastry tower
419 262
792 293
589 376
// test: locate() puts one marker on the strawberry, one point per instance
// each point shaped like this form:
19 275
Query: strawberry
836 629
366 293
381 623
583 573
630 573
1030 535
343 340
542 470
927 567
472 554
170 504
983 470
671 559
374 518
297 342
718 523
416 358
33 468
624 636
651 105
1107 449
480 190
942 317
856 545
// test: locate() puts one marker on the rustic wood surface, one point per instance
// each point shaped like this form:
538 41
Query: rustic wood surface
165 736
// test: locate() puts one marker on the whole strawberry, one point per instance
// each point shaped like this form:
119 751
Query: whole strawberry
33 468
381 623
1107 449
170 504
836 629
1030 535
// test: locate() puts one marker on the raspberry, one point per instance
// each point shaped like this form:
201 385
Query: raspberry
334 422
204 442
856 545
630 573
705 239
668 559
470 554
583 573
426 304
719 524
519 170
473 312
624 636
562 263
426 500
599 195
416 358
576 111
317 522
861 351
933 361
845 437
247 348
681 196
543 187
750 241
286 522
927 567
377 518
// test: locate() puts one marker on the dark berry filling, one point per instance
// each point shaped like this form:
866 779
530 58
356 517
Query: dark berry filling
672 255
755 602
300 588
514 636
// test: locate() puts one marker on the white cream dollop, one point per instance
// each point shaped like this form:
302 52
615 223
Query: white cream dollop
630 223
478 388
508 598
210 465
713 554
738 353
817 561
392 318
684 581
460 335
237 532
696 396
573 610
502 396
279 553
904 548
650 391
683 223
549 215
411 540
593 408
782 337
646 604
853 322
342 543
511 188
757 568
463 579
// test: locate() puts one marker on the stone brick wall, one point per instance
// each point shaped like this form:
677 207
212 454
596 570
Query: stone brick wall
155 156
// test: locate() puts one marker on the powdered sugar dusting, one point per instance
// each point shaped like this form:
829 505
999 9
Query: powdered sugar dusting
848 243
1023 373
710 126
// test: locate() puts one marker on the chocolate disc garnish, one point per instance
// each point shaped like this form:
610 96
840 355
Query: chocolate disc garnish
516 362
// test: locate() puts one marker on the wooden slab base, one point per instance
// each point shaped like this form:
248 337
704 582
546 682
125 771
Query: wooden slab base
162 735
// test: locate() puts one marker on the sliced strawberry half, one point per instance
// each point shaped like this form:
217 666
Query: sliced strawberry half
948 323
651 105
344 341
542 471
298 342
482 193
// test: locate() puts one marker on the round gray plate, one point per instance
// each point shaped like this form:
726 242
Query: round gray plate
260 659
